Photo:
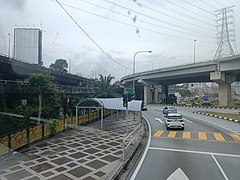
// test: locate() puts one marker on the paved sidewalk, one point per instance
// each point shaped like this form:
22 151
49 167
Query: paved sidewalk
82 153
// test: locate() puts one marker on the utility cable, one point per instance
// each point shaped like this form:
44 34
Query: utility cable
156 32
177 12
146 22
89 35
194 12
150 17
198 7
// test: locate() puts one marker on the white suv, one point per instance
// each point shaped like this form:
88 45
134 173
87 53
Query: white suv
174 120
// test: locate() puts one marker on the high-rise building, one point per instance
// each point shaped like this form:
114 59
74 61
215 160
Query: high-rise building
28 45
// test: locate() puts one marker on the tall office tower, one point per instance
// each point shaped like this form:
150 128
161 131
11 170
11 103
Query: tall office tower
28 45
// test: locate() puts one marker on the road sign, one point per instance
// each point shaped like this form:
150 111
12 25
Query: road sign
129 90
205 98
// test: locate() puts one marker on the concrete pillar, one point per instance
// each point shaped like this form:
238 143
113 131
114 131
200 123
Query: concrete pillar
156 100
147 94
224 93
164 93
224 82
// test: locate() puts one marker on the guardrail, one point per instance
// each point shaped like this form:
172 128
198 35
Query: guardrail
131 142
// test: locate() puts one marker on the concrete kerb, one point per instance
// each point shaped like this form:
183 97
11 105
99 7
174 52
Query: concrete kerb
216 116
193 106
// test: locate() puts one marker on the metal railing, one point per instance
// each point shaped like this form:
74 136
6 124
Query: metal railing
131 142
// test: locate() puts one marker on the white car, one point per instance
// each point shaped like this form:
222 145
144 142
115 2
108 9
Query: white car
174 120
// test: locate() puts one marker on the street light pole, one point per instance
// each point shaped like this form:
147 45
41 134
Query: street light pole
9 45
134 62
194 54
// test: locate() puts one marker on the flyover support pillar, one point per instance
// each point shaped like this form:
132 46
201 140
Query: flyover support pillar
164 93
147 94
224 82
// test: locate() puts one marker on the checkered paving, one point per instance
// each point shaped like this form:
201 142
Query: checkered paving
83 153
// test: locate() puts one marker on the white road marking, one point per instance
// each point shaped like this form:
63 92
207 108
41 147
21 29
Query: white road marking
195 152
187 120
145 152
178 174
220 168
157 119
218 125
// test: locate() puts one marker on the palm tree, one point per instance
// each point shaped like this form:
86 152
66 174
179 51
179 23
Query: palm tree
103 87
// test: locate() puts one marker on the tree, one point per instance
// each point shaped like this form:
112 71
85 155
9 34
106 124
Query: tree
104 88
60 65
42 85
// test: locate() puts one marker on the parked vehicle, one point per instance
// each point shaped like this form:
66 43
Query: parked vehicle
174 120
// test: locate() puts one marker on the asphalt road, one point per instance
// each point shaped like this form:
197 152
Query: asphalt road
208 148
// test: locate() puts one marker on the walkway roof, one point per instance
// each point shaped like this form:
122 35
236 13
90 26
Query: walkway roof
110 103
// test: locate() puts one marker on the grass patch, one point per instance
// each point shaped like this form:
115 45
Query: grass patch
227 115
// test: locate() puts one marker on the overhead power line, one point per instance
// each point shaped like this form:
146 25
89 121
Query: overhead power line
193 12
130 25
198 7
204 2
89 36
178 19
150 17
177 12
146 22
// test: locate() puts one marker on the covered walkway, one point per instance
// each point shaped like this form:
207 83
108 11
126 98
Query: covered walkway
108 110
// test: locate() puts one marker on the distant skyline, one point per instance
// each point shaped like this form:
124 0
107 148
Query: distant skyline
120 28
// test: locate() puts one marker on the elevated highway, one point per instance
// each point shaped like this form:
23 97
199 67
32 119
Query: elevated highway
11 69
224 72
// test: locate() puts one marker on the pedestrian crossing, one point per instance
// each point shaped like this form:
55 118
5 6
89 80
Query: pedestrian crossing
195 135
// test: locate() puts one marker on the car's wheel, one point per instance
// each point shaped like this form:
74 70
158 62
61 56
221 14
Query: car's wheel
168 128
183 128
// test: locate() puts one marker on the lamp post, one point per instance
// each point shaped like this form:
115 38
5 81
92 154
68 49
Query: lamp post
9 45
134 62
194 54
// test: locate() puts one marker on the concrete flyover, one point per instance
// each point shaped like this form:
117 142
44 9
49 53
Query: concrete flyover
223 71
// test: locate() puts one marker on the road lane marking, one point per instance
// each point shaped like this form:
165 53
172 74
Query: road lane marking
172 134
218 137
187 120
202 136
236 132
194 152
235 137
158 133
145 151
186 135
220 168
157 119
178 174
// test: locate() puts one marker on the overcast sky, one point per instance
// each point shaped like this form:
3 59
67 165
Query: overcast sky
120 28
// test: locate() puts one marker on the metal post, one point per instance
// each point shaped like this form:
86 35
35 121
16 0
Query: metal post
194 58
76 116
84 116
127 117
101 118
134 66
9 45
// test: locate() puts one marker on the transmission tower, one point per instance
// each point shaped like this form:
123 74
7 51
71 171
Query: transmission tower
226 32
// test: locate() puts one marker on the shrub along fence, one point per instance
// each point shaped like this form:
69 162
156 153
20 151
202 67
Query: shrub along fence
26 136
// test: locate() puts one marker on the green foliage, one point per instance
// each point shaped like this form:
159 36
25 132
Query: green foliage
60 65
53 126
103 87
172 99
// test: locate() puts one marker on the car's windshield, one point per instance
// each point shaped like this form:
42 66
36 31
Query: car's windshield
174 117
